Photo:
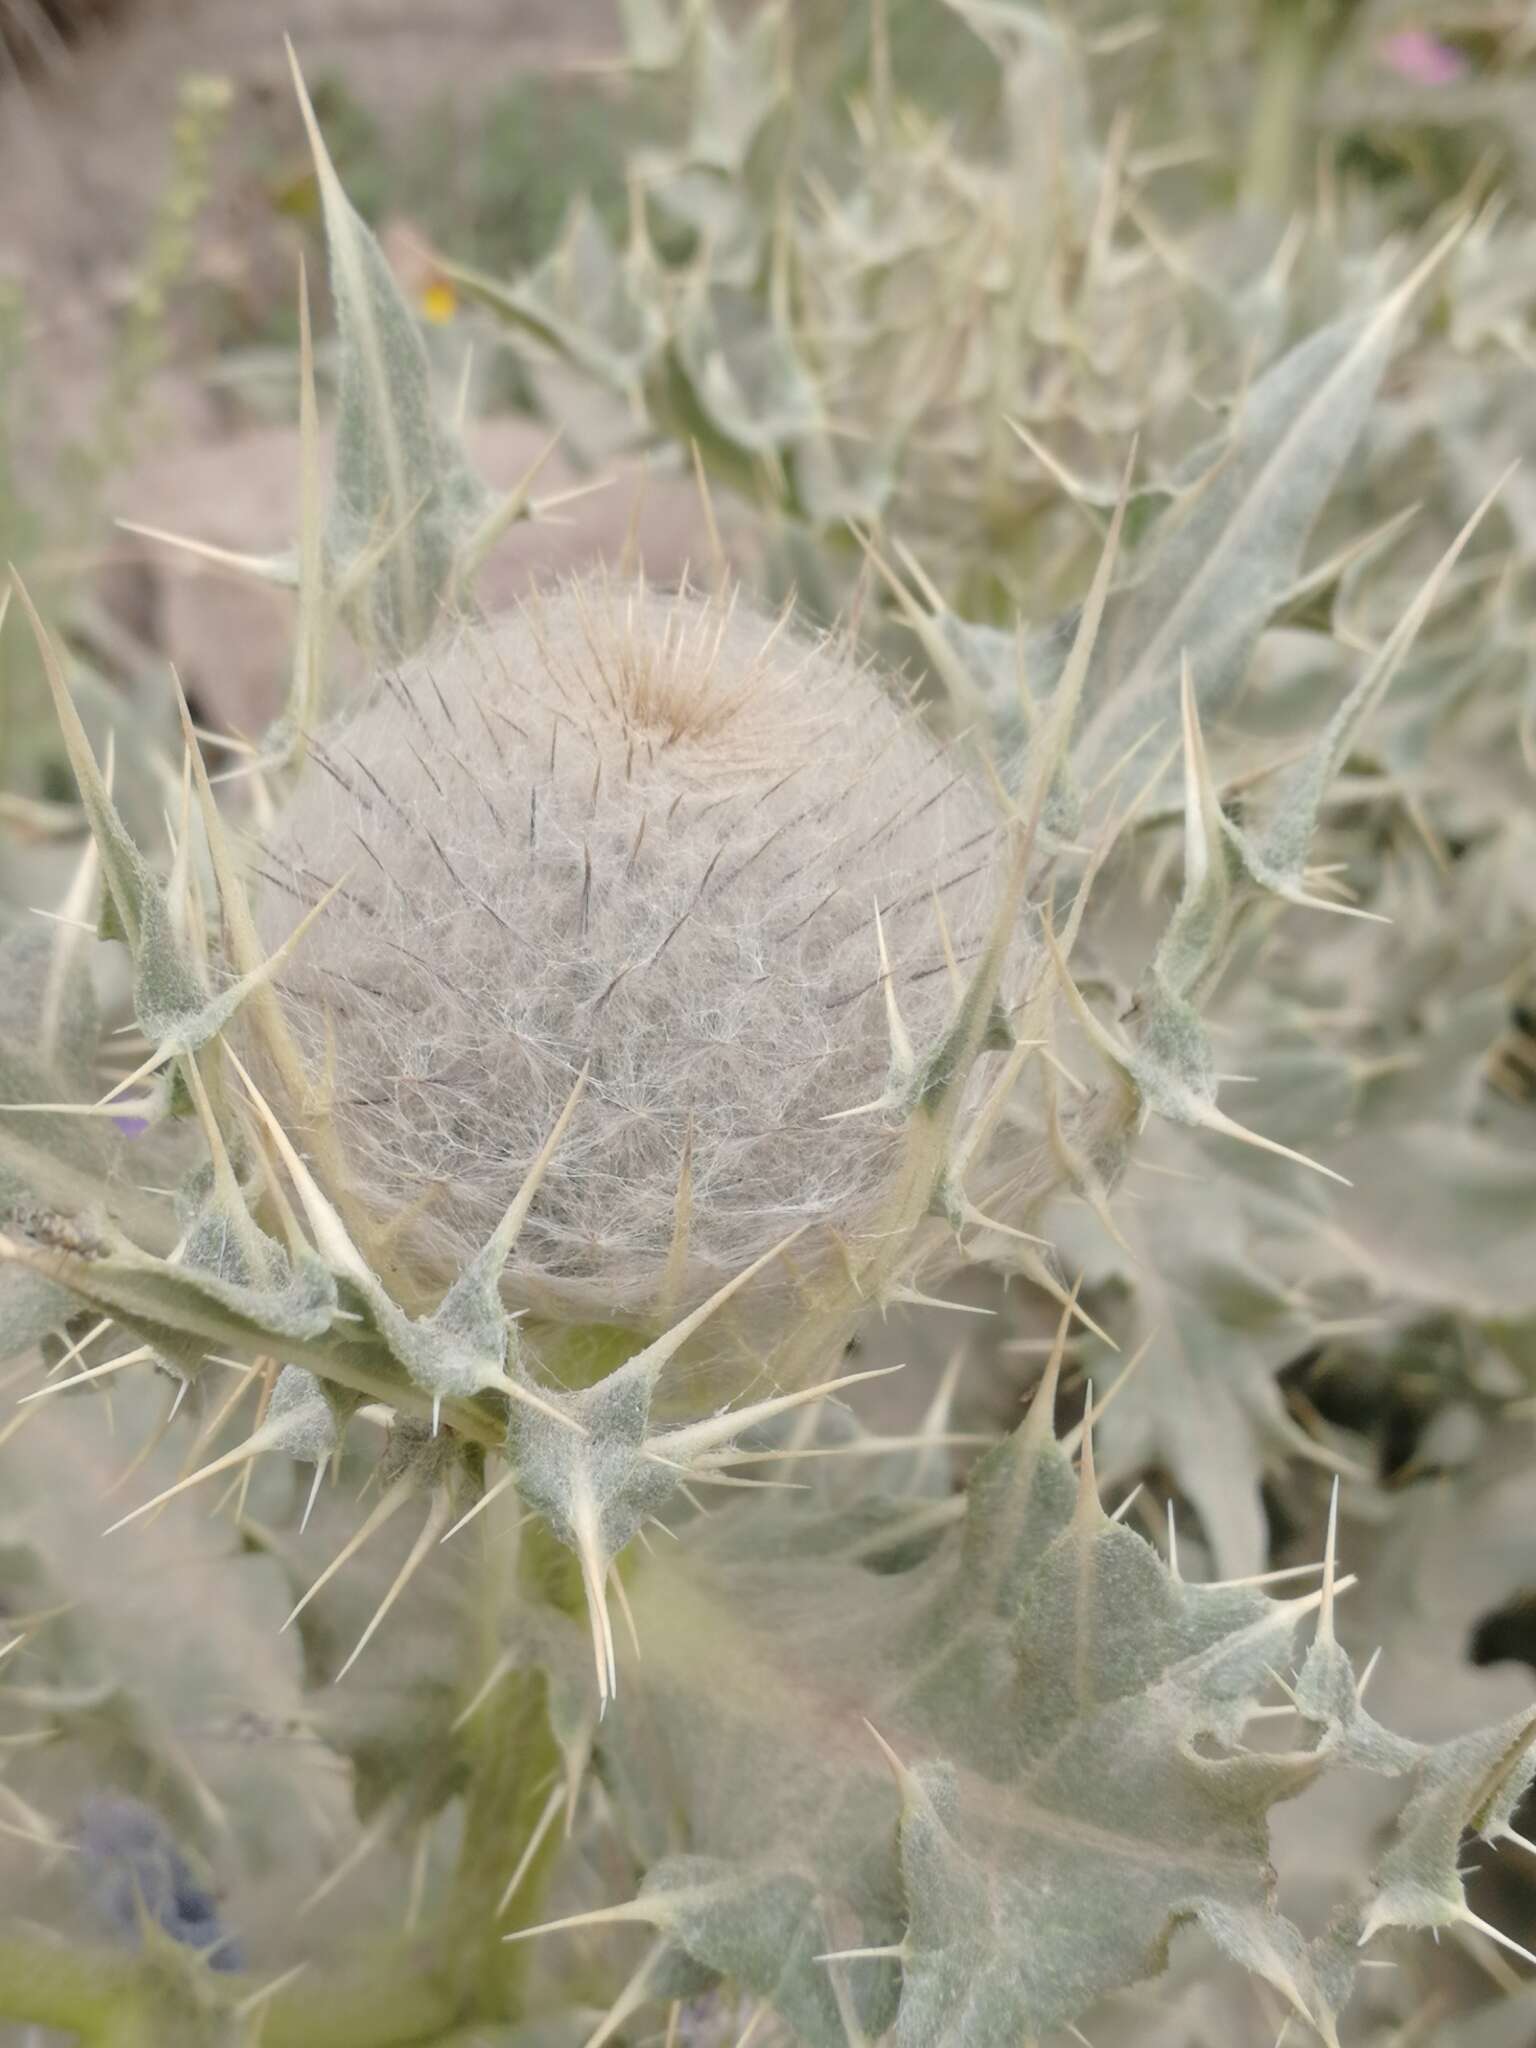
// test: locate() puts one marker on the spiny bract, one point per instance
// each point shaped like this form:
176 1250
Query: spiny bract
660 835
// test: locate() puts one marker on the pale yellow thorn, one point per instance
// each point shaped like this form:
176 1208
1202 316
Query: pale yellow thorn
1330 1568
96 1372
431 1528
972 1215
1202 808
1103 1038
1046 1280
914 1298
335 1246
1071 486
887 1101
997 1103
305 683
1275 1578
760 2013
905 1782
1137 1358
261 975
77 902
1068 692
681 1445
363 565
82 925
264 567
95 789
621 1594
109 1103
77 1349
951 671
1495 1934
18 1422
860 1447
370 1839
515 1390
630 1999
266 1992
263 1439
642 1910
491 1493
658 1354
1089 1507
506 1232
591 1557
548 1815
377 1517
1040 1422
1215 1119
511 507
951 964
1308 1603
503 1668
903 1058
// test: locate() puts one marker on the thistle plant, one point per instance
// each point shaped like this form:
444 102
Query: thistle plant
570 1067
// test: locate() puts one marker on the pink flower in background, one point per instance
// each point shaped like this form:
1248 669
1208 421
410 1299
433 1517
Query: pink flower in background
1422 58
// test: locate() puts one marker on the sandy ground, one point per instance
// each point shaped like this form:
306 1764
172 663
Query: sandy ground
83 155
83 144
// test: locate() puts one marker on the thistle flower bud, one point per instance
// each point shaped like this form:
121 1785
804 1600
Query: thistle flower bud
649 834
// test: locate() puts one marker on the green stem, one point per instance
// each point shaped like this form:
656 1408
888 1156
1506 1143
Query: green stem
513 1758
402 2006
45 1984
1291 43
104 1995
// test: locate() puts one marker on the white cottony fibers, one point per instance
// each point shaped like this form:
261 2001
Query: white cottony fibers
647 832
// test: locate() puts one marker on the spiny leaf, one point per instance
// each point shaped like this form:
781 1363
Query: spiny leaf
1059 1779
1275 853
585 299
187 1315
128 877
400 472
1216 574
185 1700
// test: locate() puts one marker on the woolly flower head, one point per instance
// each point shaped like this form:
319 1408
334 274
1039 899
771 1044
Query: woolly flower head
645 834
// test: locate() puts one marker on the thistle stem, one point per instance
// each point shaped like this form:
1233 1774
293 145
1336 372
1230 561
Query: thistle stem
46 1984
511 1755
1291 42
510 1748
106 1996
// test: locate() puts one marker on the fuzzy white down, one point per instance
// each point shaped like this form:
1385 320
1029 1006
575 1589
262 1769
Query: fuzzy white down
647 832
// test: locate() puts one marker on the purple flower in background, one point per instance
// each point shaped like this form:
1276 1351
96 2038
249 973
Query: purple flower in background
1422 58
131 1126
134 1870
